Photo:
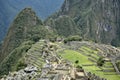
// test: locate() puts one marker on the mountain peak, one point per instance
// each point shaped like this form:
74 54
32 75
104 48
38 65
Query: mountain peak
29 16
27 29
18 31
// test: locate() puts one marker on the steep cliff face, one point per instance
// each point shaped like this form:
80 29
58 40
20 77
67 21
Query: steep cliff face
97 20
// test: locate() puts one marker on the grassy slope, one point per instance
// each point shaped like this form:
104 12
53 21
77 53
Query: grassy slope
73 56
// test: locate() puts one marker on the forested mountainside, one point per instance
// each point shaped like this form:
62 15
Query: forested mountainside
9 9
25 27
97 20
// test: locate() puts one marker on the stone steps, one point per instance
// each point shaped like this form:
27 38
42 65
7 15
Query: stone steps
87 50
35 55
93 57
108 70
108 66
36 59
36 63
92 60
82 52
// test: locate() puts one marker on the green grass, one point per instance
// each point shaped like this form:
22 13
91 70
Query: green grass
89 51
72 56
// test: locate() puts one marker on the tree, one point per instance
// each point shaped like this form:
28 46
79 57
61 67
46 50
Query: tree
100 61
73 38
76 62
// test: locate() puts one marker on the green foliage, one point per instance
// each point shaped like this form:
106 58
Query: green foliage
21 65
53 38
100 61
64 26
115 42
77 61
79 67
25 30
89 20
25 27
19 31
9 63
39 32
72 38
73 56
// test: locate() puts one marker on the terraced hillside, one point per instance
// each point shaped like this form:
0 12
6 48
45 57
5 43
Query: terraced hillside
73 60
88 54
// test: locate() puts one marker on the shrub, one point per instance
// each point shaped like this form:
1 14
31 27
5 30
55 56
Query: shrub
76 62
79 67
73 38
100 61
52 39
21 65
36 38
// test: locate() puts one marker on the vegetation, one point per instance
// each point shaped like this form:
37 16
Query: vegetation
39 32
25 27
86 17
21 65
83 60
79 20
72 38
115 42
9 63
100 61
68 54
76 62
64 26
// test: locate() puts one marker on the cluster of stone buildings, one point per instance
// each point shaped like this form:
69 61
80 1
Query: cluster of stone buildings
54 68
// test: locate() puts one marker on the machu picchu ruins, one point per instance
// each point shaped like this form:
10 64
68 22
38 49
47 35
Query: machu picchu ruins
46 61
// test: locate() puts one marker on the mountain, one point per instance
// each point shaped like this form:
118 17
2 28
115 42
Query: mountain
64 26
25 30
25 27
9 9
55 49
97 20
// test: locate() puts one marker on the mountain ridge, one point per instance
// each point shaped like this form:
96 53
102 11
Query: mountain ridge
25 27
96 20
9 10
